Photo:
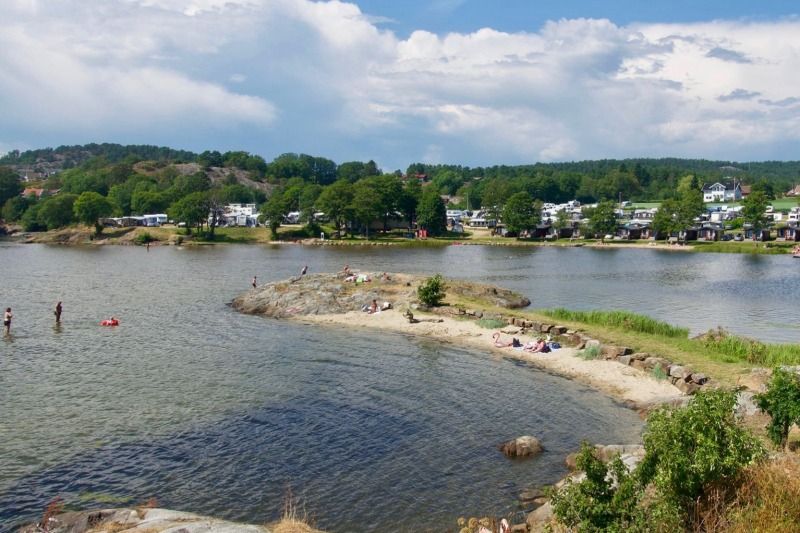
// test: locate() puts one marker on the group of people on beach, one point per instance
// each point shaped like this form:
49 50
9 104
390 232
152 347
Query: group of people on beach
540 345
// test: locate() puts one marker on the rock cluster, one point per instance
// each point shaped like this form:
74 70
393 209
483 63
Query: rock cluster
139 521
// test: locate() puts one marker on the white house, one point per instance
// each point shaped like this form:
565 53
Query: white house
727 191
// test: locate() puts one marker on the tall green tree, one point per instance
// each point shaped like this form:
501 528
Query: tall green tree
520 213
10 185
90 207
409 200
603 219
431 212
56 211
274 210
366 205
192 209
335 201
753 209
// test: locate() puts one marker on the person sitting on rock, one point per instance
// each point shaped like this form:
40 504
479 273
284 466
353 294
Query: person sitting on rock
373 307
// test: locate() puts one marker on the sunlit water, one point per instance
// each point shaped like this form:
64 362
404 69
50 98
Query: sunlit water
211 411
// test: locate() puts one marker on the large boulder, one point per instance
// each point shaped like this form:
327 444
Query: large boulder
539 519
524 446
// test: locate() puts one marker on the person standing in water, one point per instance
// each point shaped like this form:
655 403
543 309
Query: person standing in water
57 312
254 283
305 269
7 316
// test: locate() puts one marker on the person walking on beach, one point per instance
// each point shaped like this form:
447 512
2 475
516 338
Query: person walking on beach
254 283
7 316
57 312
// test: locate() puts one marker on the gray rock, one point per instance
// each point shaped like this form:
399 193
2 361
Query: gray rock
540 518
625 359
676 371
699 378
524 446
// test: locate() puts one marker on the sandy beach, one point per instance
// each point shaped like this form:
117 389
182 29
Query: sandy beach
619 381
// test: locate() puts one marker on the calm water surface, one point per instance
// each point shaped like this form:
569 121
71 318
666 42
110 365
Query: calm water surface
211 411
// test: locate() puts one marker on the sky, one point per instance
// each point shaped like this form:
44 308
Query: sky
444 81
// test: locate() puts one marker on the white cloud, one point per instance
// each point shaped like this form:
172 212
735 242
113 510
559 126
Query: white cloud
574 89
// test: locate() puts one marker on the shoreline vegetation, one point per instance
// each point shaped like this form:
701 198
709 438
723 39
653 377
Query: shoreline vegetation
294 234
748 485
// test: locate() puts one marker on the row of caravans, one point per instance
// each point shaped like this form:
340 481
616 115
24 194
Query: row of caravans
150 221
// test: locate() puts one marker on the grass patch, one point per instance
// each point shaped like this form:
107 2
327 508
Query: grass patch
491 323
619 319
750 350
590 353
743 247
659 373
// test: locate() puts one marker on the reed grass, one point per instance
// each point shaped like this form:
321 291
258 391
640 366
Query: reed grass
750 350
619 319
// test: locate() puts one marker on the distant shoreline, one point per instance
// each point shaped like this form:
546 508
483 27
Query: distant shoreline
168 235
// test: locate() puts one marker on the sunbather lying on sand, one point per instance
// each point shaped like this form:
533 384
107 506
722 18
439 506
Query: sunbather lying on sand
540 346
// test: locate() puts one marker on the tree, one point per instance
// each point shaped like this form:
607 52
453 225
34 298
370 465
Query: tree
335 200
520 213
15 207
307 202
366 204
431 212
603 219
145 201
90 207
782 402
753 208
409 200
9 185
192 209
562 221
56 211
274 210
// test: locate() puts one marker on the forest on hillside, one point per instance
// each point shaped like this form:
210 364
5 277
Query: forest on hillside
138 179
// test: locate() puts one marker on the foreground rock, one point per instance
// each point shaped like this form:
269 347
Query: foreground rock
325 294
524 446
139 520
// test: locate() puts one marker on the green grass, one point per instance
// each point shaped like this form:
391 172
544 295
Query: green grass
491 323
750 350
619 319
743 247
590 353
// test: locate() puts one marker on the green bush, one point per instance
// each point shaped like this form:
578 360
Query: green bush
431 292
687 451
782 402
606 500
144 238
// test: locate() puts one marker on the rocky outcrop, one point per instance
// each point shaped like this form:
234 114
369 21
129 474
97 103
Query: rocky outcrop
524 446
138 520
321 294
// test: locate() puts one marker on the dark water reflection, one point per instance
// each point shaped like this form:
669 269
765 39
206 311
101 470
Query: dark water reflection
212 411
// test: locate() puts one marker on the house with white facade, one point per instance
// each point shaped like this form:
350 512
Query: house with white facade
724 191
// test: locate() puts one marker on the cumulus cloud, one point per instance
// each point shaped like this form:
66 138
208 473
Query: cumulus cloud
738 94
324 77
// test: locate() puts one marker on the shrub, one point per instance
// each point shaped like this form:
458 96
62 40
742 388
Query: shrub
606 499
782 402
431 292
688 452
144 238
691 447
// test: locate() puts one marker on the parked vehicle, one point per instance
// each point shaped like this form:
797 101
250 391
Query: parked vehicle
738 237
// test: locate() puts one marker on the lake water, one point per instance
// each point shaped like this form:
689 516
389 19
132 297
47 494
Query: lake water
215 412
